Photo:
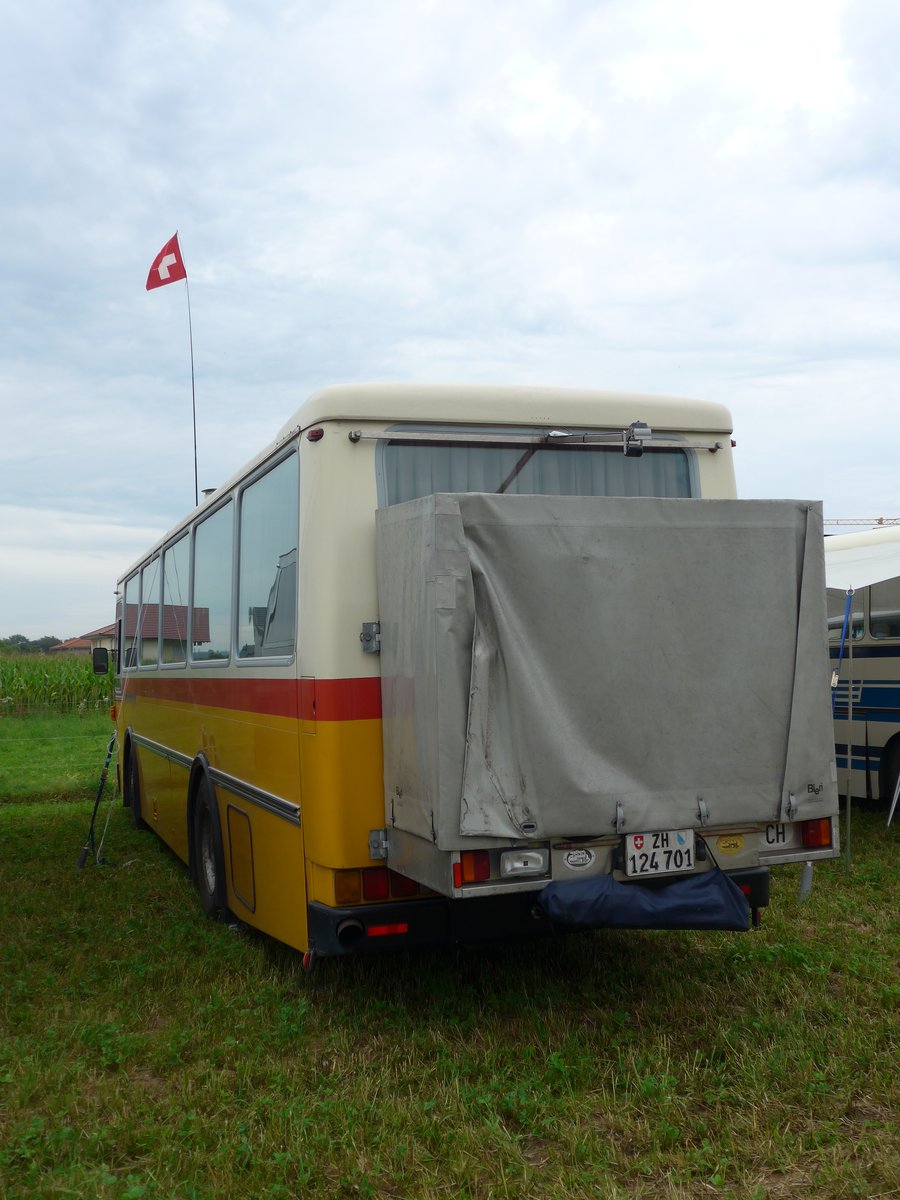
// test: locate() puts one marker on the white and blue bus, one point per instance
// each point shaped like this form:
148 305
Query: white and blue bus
864 638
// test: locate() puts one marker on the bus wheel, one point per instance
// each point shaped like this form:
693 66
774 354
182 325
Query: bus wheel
133 789
209 873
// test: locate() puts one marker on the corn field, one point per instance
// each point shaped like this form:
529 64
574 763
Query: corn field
39 683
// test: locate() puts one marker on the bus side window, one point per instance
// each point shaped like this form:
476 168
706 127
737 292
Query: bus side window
148 619
175 601
267 576
130 621
212 567
884 609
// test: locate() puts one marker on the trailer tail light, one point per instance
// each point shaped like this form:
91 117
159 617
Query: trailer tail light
387 930
817 833
375 883
474 866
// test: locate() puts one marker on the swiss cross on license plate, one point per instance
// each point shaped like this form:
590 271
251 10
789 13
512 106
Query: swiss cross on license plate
661 853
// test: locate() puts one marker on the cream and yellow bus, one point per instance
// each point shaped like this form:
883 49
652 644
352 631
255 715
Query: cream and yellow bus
443 663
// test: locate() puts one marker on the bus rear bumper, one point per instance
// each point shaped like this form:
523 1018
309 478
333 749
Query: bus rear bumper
372 927
368 928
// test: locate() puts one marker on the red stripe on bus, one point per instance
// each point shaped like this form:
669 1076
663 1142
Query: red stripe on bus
340 699
307 699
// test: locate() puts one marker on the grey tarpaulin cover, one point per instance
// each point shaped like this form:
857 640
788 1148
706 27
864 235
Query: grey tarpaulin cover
553 664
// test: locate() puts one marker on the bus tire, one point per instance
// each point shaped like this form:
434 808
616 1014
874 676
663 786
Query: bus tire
209 868
133 788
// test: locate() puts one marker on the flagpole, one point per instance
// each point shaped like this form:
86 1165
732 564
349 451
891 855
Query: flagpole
187 292
168 267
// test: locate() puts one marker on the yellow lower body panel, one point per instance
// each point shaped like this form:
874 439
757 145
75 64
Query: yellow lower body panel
343 792
272 865
262 850
264 869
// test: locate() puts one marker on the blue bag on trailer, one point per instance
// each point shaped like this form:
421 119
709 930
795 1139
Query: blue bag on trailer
709 900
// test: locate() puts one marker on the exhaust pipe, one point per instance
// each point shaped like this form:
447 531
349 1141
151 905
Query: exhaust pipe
350 933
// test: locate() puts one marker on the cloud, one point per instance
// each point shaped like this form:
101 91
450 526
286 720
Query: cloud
695 199
58 568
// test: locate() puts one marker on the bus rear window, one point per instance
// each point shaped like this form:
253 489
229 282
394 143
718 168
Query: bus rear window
413 469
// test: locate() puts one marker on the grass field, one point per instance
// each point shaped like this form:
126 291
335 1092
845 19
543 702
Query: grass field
51 756
148 1052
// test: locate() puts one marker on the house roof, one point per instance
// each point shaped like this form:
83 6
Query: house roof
79 643
103 631
174 624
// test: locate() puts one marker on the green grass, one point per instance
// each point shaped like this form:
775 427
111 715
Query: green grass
51 756
148 1052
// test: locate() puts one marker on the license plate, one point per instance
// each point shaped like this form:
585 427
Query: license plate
662 853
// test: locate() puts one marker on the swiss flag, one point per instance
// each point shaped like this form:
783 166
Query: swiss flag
168 266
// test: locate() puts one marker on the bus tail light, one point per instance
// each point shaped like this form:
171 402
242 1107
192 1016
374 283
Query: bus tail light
372 884
375 883
401 886
346 888
386 930
816 833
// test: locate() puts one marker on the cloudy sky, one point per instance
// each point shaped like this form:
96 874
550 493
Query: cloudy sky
697 197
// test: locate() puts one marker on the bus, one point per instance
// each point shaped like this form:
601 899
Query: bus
296 708
868 757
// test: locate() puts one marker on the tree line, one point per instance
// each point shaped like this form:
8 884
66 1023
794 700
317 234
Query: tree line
17 643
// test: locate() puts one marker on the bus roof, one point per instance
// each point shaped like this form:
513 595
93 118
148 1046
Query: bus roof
856 560
476 404
492 404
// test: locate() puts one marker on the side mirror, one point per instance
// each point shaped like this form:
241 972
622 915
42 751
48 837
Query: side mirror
100 660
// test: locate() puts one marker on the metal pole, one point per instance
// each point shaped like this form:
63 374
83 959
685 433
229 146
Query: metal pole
187 292
894 801
847 854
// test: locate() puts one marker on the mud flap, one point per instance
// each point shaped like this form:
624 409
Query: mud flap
706 901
